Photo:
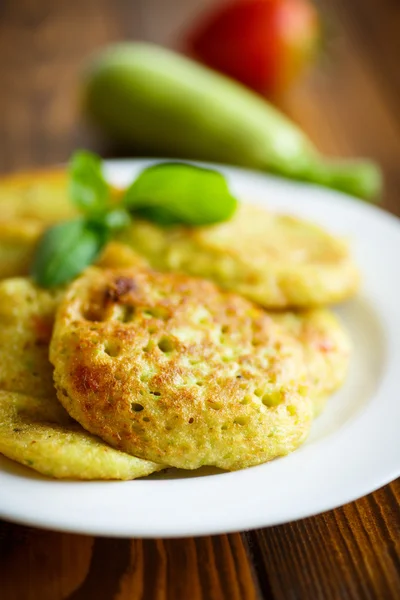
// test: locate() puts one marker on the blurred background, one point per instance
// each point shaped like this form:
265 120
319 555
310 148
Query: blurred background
338 77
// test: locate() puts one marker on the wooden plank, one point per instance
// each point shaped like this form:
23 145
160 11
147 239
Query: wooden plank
374 25
42 47
57 566
351 553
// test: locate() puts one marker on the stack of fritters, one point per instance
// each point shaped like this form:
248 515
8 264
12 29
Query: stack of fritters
180 348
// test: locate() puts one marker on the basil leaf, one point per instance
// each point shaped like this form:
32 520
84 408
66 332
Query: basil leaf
88 188
65 250
179 193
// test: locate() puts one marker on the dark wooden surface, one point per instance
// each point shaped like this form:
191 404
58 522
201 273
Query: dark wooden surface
349 104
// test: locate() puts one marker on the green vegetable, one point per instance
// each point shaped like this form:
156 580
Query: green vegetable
159 102
88 189
65 250
171 193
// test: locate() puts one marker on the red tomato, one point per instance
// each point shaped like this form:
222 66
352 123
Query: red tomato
264 44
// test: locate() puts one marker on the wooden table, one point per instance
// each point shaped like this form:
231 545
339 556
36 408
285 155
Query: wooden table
349 104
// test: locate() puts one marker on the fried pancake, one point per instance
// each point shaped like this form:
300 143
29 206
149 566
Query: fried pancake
39 433
326 348
18 239
173 369
29 202
35 430
116 254
275 260
26 323
36 195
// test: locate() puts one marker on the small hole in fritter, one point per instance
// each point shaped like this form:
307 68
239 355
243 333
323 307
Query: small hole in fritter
156 312
127 314
241 421
267 401
246 400
272 398
136 407
111 349
216 405
149 346
91 315
166 344
155 393
191 420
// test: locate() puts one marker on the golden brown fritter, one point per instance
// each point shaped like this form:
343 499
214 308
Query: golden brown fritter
276 260
40 196
116 254
18 240
39 433
29 202
326 349
174 370
26 324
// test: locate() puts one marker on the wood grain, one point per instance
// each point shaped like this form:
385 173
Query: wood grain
57 566
351 552
349 104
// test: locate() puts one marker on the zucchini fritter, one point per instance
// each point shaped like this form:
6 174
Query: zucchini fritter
39 433
176 371
326 349
275 260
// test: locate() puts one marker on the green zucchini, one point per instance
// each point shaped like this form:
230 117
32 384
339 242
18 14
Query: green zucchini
158 102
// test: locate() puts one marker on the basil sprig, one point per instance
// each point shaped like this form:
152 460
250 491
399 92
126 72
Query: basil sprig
168 193
67 248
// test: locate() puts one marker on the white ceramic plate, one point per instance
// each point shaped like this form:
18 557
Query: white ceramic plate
353 449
